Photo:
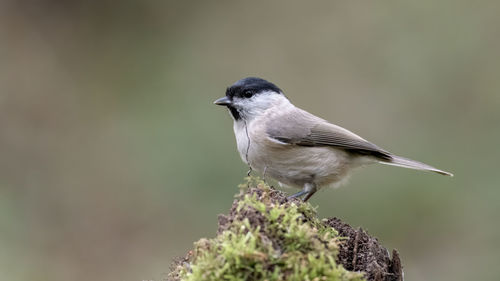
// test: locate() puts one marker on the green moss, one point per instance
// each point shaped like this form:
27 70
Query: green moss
266 237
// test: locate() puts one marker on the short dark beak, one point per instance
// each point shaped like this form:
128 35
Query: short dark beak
223 101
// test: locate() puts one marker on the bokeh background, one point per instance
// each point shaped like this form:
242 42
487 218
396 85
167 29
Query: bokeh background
113 159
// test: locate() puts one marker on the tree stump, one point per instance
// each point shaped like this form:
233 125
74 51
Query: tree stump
266 236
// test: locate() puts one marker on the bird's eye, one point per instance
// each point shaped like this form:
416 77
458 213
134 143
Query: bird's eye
247 94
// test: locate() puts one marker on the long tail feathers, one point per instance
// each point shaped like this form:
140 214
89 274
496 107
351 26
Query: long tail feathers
412 164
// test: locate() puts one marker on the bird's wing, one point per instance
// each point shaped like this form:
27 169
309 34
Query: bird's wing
304 129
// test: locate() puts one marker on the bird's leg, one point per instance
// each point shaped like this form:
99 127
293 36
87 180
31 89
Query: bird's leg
311 192
249 173
264 175
308 191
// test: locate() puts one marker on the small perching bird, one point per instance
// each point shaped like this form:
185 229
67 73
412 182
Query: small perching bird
295 147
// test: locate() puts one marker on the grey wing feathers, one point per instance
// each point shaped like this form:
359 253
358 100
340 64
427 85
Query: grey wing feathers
302 128
308 130
327 135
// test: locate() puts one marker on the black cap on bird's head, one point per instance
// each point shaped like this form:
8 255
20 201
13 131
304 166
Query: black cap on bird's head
246 88
248 96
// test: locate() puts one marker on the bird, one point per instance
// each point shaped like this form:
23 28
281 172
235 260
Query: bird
295 147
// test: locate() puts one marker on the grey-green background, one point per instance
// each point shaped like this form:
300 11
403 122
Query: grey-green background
113 159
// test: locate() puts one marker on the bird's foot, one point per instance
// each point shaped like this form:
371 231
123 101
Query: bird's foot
298 194
308 191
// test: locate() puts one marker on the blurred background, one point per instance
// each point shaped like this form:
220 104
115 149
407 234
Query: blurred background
113 159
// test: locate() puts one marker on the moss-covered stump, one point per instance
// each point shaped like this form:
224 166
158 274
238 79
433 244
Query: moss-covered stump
269 237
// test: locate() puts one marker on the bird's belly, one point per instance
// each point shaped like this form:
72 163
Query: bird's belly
298 165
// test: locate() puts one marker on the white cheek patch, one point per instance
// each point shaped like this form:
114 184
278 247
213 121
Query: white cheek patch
258 104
